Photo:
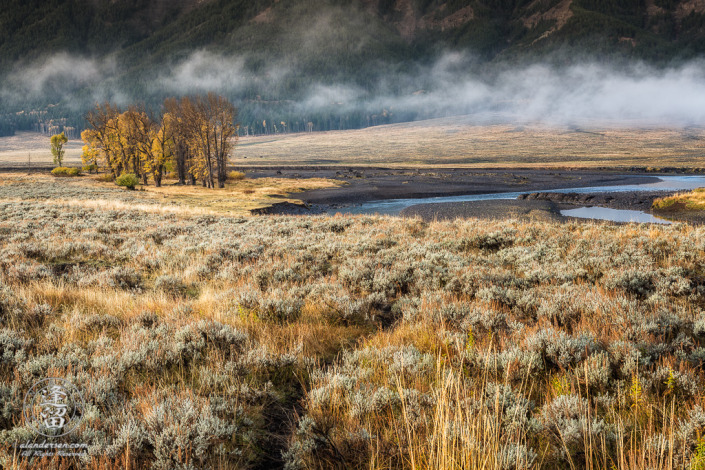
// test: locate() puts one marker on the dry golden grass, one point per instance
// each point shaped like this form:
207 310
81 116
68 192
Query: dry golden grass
351 341
237 198
452 142
387 362
439 142
16 149
694 200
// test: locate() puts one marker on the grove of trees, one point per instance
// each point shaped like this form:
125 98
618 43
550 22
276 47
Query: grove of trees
192 137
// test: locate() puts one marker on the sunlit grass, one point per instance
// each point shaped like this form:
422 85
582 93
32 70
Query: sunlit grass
453 142
449 142
236 199
360 342
694 200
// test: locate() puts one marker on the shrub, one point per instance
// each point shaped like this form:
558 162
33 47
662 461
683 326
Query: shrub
65 171
489 241
281 310
236 175
516 456
99 322
181 431
128 180
634 281
124 278
91 168
170 285
185 429
568 424
106 178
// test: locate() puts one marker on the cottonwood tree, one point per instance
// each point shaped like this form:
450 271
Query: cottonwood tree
57 147
207 127
195 135
100 136
142 132
222 116
131 131
163 147
179 136
90 154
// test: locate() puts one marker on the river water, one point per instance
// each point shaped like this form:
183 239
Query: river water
665 183
615 215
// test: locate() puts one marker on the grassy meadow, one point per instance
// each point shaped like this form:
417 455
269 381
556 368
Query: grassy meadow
17 150
452 142
456 142
238 198
205 339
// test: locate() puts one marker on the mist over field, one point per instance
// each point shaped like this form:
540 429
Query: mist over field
452 84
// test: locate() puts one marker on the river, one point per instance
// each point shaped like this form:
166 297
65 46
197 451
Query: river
665 183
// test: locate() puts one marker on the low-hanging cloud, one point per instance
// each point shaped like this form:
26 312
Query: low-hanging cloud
204 71
58 74
600 93
576 94
453 84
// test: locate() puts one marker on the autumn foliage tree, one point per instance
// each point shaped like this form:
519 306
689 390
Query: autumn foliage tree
57 147
194 136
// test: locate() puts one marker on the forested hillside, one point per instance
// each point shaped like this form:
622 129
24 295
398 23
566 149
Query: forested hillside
58 57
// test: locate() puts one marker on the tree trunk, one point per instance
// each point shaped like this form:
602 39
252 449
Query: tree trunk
181 163
158 177
209 161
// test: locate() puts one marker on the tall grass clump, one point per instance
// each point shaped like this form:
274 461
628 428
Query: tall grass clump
694 200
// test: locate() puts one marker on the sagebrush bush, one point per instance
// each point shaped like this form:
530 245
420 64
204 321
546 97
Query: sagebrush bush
127 180
65 171
170 285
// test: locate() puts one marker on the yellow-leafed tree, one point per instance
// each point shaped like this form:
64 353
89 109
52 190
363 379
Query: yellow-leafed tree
194 136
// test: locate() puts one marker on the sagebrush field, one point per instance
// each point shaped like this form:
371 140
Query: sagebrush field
212 341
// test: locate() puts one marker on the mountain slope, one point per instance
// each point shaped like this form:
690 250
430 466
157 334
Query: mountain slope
144 29
268 53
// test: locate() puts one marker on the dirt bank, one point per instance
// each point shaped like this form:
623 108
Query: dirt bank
545 211
634 200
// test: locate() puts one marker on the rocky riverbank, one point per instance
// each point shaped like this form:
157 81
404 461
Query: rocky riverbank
633 200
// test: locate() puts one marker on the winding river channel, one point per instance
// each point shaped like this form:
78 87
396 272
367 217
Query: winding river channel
665 183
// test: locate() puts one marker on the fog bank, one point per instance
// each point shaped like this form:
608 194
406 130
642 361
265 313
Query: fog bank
452 84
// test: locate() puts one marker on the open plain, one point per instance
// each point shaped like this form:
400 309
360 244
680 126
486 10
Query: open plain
462 142
448 142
